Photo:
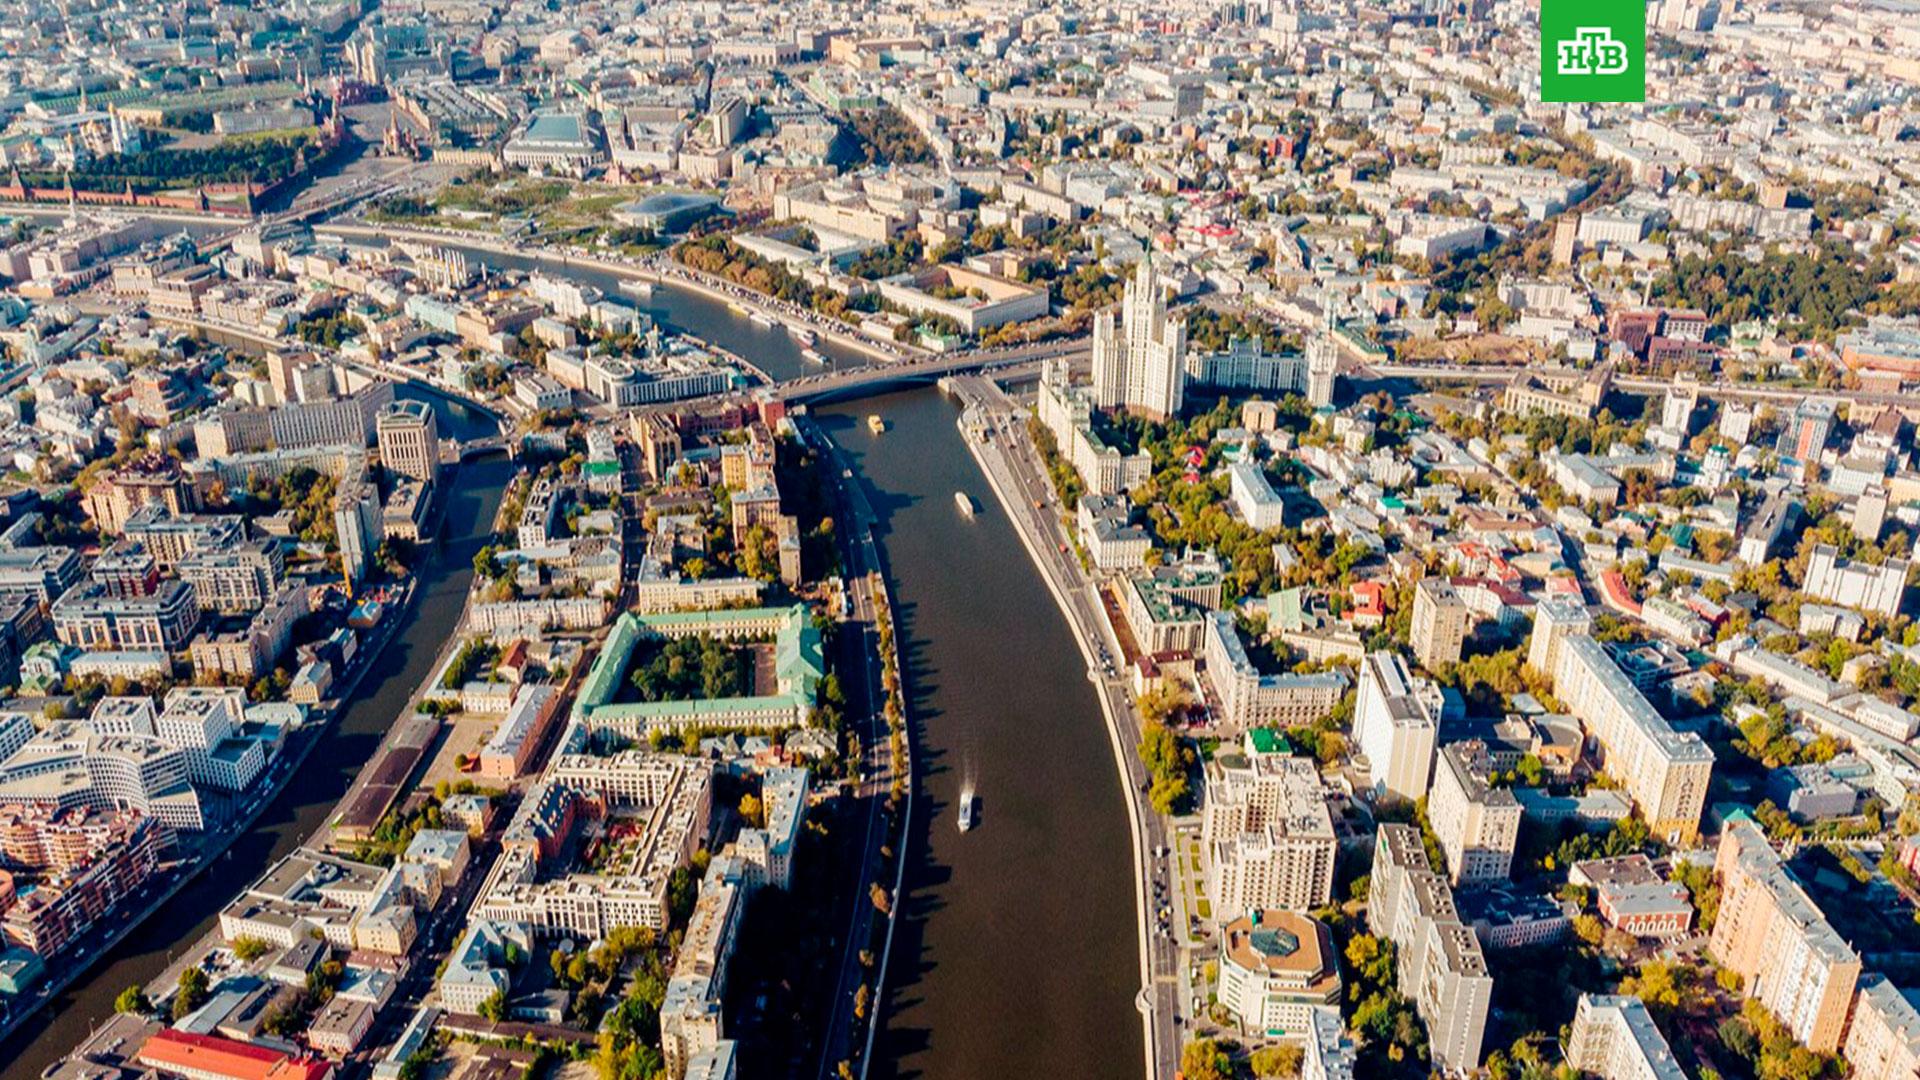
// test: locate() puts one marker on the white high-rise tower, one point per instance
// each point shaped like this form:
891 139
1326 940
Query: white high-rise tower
1323 369
1141 363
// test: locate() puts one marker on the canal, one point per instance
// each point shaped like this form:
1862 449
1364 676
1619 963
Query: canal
310 794
682 310
1019 955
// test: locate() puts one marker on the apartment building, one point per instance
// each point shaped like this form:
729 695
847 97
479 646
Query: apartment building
1883 1041
1395 726
1773 936
1440 623
1614 1038
1140 361
1664 771
1440 964
89 616
1478 824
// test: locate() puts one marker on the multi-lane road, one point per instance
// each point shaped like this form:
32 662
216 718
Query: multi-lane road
995 430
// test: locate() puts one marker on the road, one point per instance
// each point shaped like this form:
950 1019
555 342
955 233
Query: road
862 572
996 432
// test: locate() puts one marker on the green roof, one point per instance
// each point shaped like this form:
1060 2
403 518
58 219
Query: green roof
1269 741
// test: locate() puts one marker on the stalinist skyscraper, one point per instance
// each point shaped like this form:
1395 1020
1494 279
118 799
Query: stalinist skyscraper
1142 363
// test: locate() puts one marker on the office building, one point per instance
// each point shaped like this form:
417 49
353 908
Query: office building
1771 934
1276 968
1876 589
409 438
1440 623
1250 699
1478 824
1140 362
1395 725
1166 606
1267 832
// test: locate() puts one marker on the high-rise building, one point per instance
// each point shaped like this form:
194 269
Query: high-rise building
356 523
1614 1038
1665 771
1323 369
1772 934
1395 724
1268 833
1140 363
1440 622
1807 429
1440 963
1883 1041
409 439
1554 621
1478 824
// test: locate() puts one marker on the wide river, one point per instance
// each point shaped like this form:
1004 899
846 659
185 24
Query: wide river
1018 954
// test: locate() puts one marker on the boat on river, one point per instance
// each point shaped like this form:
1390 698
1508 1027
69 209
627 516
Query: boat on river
636 287
966 810
875 424
965 502
812 356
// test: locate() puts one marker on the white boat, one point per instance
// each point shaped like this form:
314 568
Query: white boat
875 424
965 502
762 320
636 287
812 356
966 810
805 336
736 307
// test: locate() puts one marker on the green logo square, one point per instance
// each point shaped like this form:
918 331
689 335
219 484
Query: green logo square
1593 50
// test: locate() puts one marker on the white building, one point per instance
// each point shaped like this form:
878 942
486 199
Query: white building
1395 725
1478 824
1140 363
1614 1038
1268 834
1876 589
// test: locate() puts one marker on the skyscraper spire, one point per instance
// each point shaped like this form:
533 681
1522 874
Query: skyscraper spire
1141 362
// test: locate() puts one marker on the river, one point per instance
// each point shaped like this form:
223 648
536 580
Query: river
1018 954
309 796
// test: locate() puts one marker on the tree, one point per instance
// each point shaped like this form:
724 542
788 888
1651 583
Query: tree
1205 1059
494 1008
132 1000
249 948
752 812
191 993
1284 1060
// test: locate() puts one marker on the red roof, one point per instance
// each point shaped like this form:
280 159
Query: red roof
210 1055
